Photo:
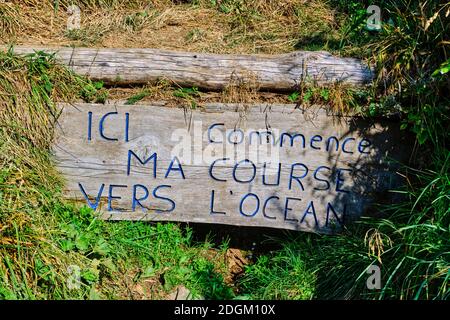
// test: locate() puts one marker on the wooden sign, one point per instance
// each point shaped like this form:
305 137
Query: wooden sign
271 166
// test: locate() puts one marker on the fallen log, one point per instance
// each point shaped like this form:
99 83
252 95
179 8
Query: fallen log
281 72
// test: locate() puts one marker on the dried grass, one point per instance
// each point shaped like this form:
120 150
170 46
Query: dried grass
232 26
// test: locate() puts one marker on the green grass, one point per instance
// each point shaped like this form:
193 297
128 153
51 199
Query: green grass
410 239
138 97
284 274
187 94
44 239
411 244
163 251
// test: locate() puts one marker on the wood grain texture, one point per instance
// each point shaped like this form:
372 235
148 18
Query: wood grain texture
281 72
156 128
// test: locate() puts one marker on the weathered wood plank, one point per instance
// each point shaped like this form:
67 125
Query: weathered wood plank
210 71
313 186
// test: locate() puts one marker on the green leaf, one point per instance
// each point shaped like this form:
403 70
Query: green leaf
307 95
55 6
70 230
224 9
86 212
7 294
48 87
422 137
148 272
67 245
82 243
186 92
372 109
293 96
184 259
443 69
90 275
102 247
183 271
325 94
98 85
137 97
